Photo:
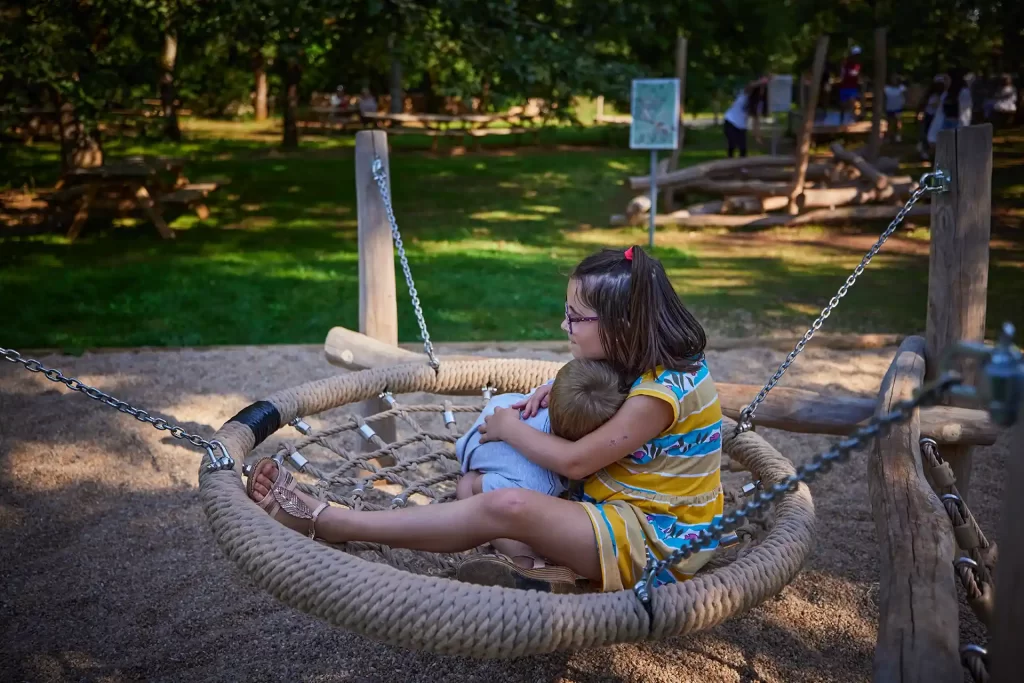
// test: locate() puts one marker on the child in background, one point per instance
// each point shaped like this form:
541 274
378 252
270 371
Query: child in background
895 100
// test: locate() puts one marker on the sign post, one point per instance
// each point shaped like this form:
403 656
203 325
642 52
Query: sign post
655 109
780 101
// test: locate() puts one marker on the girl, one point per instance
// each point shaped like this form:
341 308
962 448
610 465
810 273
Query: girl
927 109
751 102
955 106
651 473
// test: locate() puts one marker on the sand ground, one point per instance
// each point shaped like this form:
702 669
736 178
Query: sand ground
108 571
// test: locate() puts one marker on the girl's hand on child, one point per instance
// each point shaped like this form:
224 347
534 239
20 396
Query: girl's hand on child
496 426
534 402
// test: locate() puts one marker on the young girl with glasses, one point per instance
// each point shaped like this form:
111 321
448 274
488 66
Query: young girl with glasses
651 473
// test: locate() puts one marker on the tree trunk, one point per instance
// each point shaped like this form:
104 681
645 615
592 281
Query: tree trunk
397 96
259 73
292 74
79 147
168 58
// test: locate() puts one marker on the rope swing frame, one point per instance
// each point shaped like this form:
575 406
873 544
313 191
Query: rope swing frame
445 616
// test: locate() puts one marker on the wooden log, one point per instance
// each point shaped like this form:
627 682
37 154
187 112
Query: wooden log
815 171
702 171
958 265
878 101
684 219
739 187
804 140
918 624
1007 665
378 303
854 213
832 197
794 410
876 177
758 205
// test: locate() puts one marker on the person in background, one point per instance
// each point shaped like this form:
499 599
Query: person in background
1003 105
926 110
895 100
750 103
849 84
955 106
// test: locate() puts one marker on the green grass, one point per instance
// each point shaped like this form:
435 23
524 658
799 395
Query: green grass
490 239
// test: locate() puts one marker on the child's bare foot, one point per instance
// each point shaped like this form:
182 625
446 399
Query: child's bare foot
274 489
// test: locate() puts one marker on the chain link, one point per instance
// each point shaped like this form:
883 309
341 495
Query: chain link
385 195
930 394
160 423
936 181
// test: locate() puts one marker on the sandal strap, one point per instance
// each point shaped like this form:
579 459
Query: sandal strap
316 513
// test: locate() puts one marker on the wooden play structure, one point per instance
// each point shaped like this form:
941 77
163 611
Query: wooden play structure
396 449
910 467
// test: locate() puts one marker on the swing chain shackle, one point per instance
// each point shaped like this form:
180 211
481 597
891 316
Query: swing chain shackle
385 196
934 181
216 462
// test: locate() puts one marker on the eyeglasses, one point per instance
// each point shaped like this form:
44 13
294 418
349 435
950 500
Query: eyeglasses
576 319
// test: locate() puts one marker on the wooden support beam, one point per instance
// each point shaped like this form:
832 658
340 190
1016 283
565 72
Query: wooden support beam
378 303
958 267
673 160
918 621
806 129
1007 664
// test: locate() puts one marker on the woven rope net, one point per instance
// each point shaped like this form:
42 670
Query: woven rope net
408 598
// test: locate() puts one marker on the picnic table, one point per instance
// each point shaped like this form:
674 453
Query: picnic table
133 183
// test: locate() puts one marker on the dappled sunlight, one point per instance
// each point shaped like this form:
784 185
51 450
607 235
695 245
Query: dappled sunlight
506 216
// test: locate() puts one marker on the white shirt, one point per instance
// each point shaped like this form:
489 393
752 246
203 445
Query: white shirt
966 106
737 113
895 98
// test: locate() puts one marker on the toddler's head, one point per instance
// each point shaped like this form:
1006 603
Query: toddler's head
585 395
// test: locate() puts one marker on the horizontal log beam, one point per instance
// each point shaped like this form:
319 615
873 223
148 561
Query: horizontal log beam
699 171
793 410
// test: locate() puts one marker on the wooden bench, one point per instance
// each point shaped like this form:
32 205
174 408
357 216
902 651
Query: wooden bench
191 196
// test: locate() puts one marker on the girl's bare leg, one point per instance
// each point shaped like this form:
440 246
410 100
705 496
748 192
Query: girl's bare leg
471 484
558 529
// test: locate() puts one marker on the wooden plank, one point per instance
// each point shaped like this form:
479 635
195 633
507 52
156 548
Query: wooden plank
144 200
378 305
918 624
804 141
844 214
959 260
1007 665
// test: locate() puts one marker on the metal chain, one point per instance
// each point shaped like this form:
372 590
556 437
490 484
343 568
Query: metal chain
54 375
382 185
929 394
936 181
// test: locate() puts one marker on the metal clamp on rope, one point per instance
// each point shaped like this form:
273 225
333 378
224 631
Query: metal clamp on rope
302 426
224 462
936 181
387 397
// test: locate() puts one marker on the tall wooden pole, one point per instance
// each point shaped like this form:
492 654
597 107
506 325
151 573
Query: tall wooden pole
378 303
878 106
673 162
803 151
1007 664
958 267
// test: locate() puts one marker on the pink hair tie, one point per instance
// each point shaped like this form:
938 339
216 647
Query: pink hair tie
628 254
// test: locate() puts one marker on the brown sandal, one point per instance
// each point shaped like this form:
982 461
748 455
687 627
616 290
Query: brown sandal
282 496
500 570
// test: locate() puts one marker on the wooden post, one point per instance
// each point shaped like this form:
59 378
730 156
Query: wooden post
807 126
673 162
878 106
958 269
599 114
1006 663
918 621
378 304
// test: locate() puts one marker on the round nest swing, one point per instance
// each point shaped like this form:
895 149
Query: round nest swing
404 597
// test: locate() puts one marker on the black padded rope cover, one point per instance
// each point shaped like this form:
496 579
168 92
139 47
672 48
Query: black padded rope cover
261 418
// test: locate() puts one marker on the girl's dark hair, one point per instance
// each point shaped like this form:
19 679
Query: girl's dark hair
643 324
757 100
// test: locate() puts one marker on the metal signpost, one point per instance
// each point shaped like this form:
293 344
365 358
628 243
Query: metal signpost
655 108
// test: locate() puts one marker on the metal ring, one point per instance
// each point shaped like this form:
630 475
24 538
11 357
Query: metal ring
961 508
929 440
966 560
974 649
